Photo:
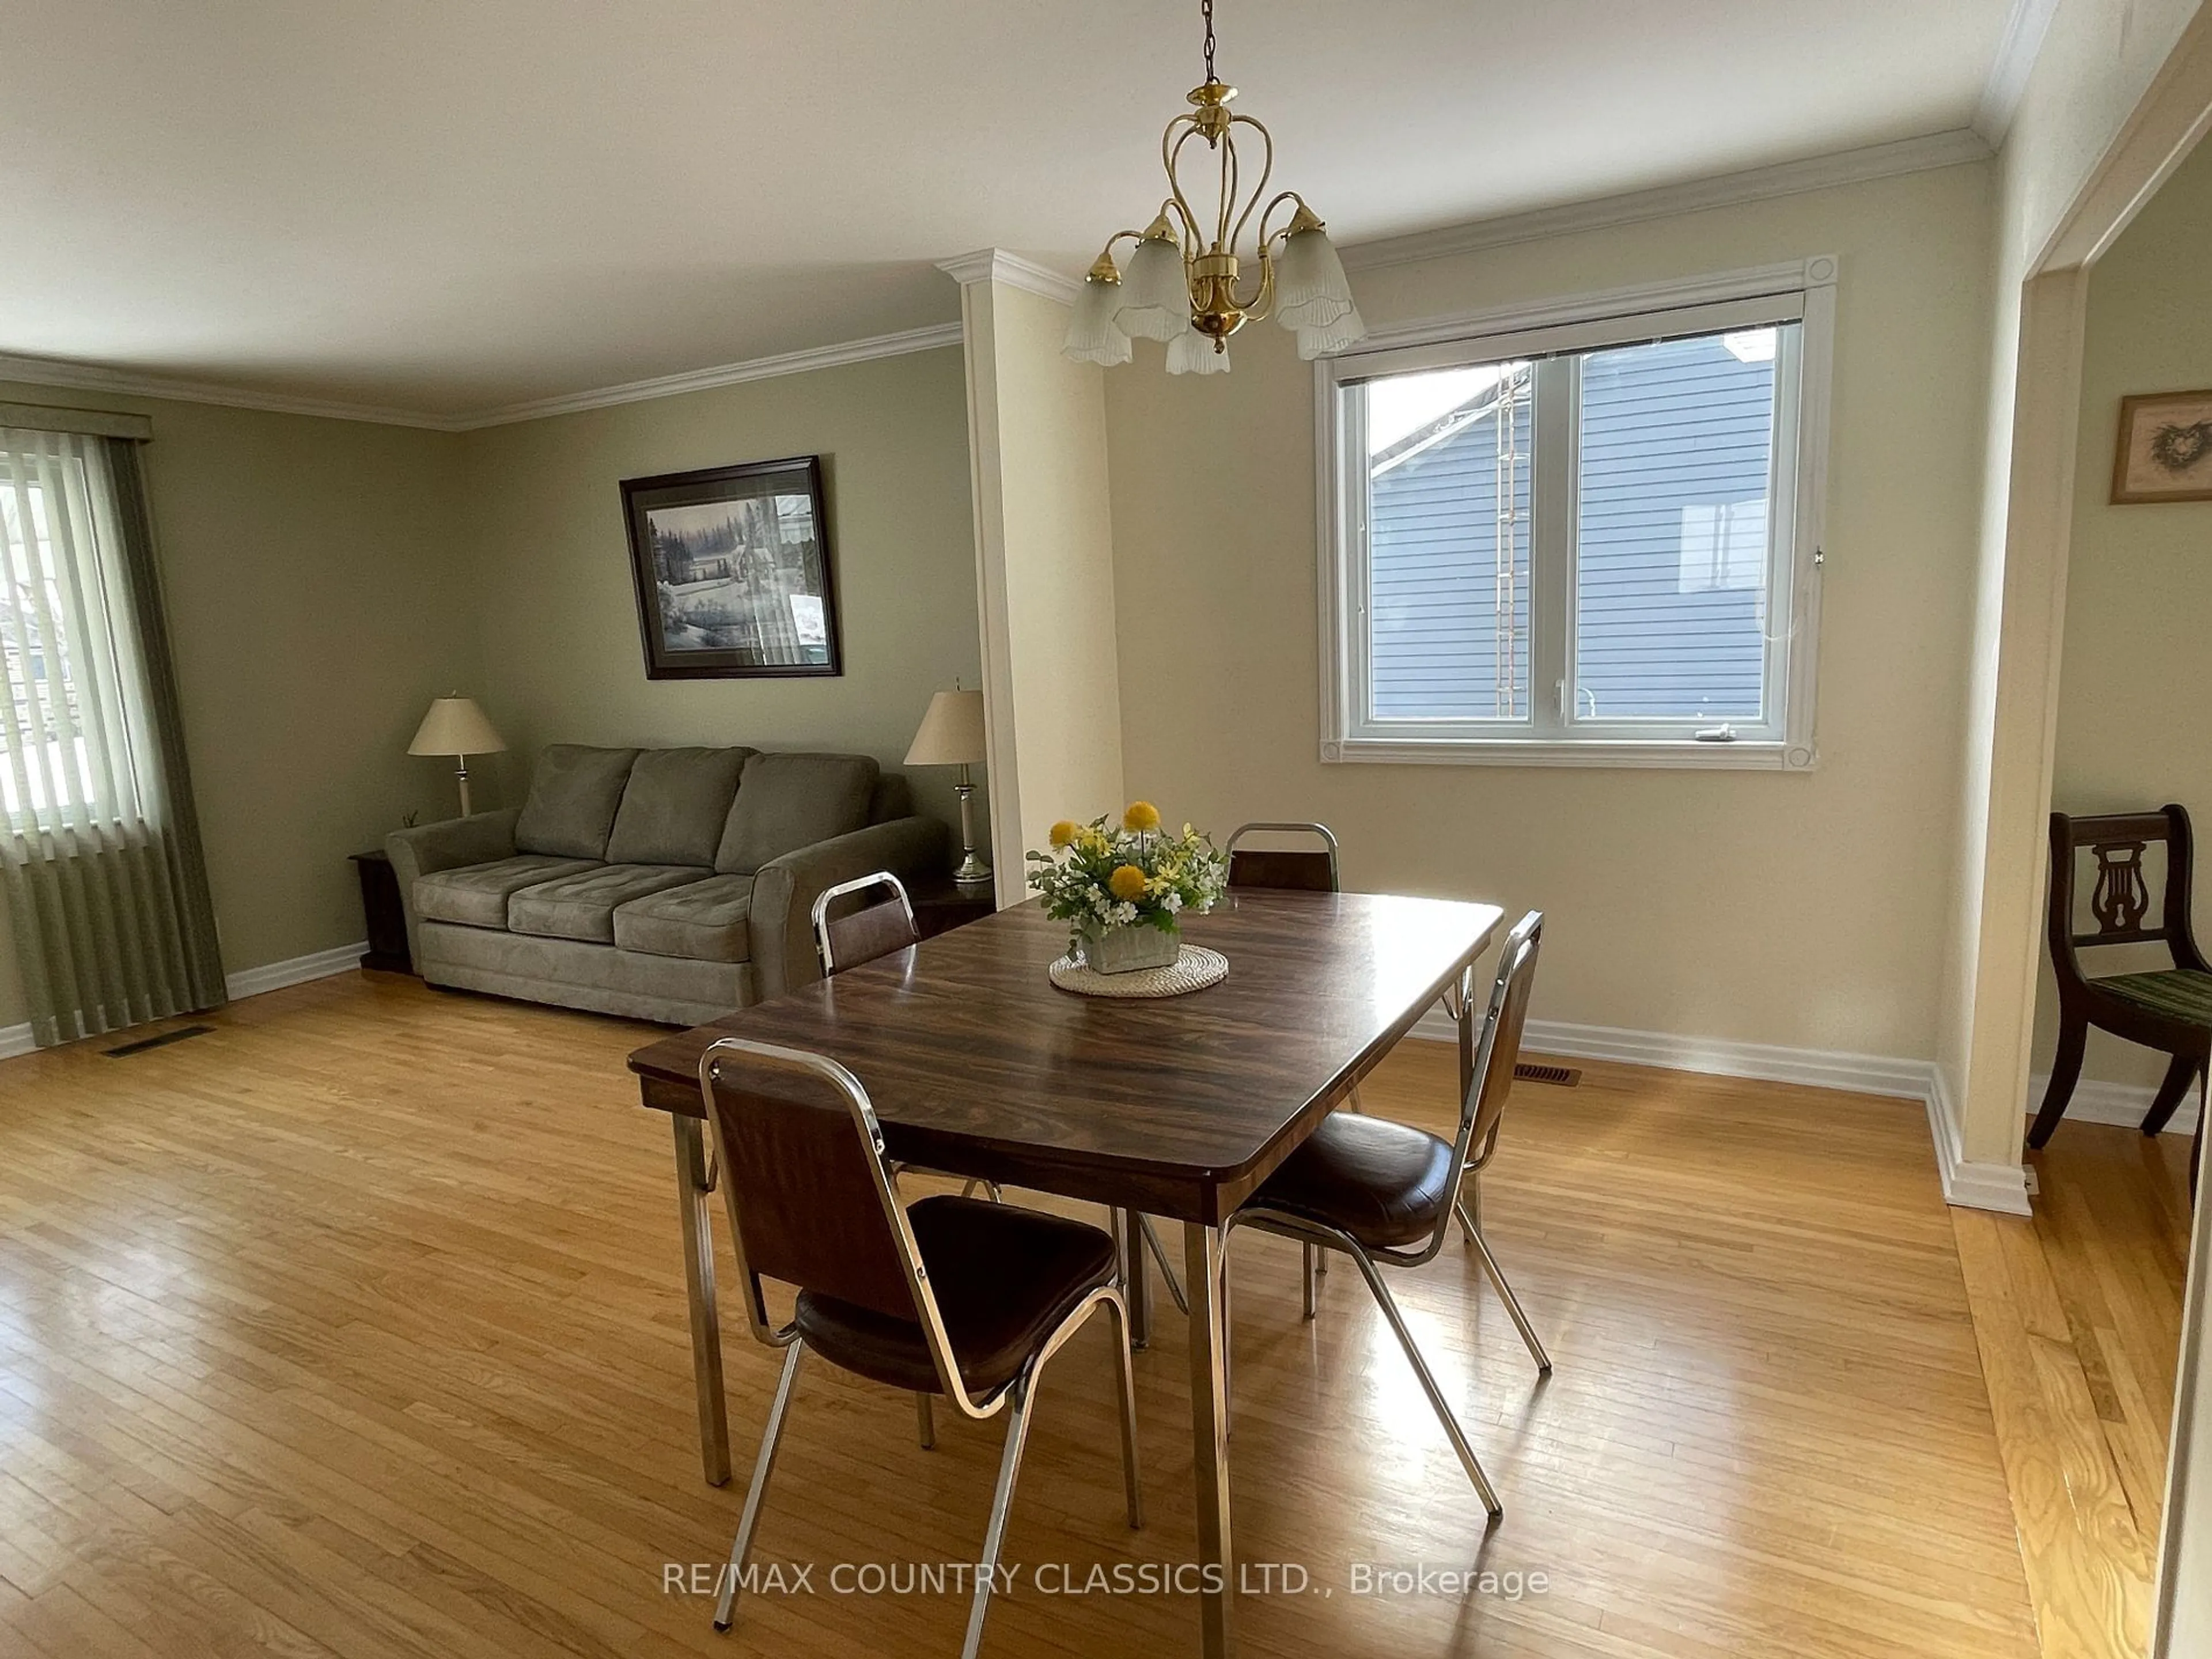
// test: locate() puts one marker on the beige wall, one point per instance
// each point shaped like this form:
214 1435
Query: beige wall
315 608
1760 907
2098 59
1044 562
556 609
2135 708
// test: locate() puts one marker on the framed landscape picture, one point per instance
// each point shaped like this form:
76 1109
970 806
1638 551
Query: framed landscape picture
2164 448
733 571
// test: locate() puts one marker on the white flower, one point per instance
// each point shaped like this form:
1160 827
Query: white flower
1171 902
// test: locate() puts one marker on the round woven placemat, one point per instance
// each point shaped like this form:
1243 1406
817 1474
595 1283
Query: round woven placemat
1193 970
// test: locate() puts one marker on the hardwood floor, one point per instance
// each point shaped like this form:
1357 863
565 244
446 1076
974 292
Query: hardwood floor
356 1328
2078 1314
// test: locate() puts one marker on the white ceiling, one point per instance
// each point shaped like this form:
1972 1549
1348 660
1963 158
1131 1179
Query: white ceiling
449 205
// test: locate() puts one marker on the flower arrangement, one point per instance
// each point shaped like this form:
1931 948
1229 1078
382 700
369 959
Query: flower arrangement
1099 880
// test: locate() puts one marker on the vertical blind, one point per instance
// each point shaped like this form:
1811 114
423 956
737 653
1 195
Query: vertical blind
107 897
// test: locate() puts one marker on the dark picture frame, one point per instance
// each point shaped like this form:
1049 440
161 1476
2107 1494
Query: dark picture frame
733 573
2163 452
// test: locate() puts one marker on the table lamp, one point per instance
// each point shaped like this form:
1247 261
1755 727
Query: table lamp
456 727
952 734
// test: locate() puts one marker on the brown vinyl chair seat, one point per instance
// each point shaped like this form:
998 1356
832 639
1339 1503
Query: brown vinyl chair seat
1005 1278
1384 1183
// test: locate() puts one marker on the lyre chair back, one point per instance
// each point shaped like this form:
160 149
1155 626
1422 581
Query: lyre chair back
1300 870
862 933
2167 1009
2120 903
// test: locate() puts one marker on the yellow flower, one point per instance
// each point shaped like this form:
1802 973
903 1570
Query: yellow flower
1126 884
1064 833
1141 816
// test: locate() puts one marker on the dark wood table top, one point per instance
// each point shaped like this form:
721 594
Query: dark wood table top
977 1065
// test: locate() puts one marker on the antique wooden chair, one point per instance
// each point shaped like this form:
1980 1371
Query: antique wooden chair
2169 1009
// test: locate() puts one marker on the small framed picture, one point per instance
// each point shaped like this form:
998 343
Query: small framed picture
2166 448
733 571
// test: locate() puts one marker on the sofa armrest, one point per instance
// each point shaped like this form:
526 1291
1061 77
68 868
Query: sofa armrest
785 889
430 847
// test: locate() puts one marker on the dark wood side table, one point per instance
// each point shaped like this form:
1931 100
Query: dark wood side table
379 908
941 905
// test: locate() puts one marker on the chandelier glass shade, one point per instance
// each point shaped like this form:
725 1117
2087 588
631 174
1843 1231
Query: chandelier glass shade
1185 283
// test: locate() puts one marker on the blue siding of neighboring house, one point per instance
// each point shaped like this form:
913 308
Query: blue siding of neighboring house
1671 563
1432 602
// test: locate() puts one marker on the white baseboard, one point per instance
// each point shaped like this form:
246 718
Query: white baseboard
251 982
2122 1103
1999 1186
275 976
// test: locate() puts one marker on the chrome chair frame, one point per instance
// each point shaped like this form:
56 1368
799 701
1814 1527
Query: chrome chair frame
1012 1396
828 956
1518 957
1313 1262
820 915
1328 836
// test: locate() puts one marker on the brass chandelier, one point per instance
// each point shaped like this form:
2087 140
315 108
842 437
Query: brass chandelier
1182 282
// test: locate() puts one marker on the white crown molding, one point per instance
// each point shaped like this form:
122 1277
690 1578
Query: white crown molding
702 380
995 265
49 371
2026 25
2000 1187
1850 166
93 377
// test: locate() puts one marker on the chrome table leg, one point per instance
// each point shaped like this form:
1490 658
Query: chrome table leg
692 1211
1209 1428
925 1422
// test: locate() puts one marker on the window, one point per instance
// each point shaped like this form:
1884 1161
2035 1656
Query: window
65 749
1585 536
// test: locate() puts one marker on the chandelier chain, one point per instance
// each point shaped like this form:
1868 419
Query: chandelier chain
1205 10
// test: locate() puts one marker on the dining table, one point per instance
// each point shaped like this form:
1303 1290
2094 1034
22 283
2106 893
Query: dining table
1172 1107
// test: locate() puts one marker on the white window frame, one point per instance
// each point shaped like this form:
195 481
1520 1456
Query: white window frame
1803 291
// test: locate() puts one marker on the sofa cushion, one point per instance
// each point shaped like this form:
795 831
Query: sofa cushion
573 796
674 805
583 906
476 895
706 921
785 802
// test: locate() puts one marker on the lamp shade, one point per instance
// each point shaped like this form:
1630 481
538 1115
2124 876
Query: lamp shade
1346 330
455 726
1093 337
1193 353
1310 291
951 732
1155 294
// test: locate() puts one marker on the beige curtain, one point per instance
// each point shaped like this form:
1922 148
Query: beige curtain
100 853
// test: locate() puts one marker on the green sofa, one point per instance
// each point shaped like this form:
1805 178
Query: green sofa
669 885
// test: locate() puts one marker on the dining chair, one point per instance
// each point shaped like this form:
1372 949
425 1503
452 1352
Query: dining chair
2168 1009
1296 869
858 936
1301 869
1385 1193
951 1297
